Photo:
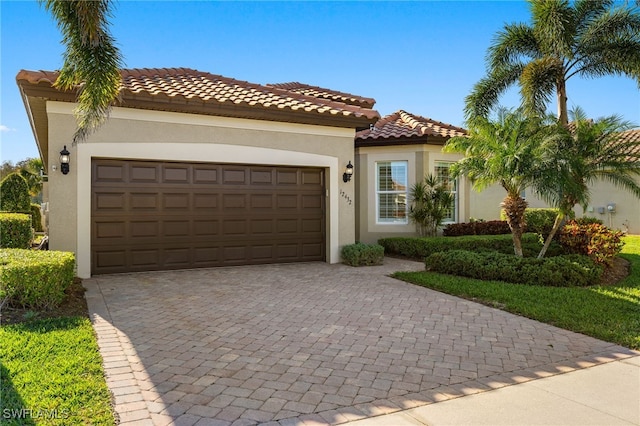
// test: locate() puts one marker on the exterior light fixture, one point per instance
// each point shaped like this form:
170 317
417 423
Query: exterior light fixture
348 172
65 157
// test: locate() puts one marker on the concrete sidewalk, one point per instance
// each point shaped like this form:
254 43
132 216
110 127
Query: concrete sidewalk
606 394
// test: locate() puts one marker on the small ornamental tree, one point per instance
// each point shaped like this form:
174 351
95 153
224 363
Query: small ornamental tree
430 202
14 194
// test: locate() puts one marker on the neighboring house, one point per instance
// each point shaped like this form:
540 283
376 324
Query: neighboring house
391 156
616 207
196 170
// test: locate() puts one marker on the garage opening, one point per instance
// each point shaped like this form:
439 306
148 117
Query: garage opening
149 215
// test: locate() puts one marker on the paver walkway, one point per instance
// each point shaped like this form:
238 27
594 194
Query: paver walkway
309 344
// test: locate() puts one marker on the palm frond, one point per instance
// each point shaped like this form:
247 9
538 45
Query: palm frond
538 83
92 61
487 91
512 45
554 26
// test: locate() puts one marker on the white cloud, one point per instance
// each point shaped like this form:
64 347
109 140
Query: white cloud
4 128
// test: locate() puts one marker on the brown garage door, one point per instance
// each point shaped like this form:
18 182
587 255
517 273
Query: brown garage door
163 215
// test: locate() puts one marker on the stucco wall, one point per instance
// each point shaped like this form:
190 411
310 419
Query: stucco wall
421 160
156 135
486 205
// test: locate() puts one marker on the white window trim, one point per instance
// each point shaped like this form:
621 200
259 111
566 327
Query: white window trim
456 194
377 192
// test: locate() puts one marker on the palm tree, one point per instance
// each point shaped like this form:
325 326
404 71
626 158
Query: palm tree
92 62
588 38
585 152
504 151
431 200
31 170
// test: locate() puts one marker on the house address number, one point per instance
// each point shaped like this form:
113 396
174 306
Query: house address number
345 196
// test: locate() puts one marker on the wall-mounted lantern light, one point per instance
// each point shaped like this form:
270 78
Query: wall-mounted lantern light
65 157
348 172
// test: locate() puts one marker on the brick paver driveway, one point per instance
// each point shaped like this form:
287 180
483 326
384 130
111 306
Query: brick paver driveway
309 344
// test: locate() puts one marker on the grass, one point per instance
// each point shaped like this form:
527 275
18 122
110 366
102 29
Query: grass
610 313
51 374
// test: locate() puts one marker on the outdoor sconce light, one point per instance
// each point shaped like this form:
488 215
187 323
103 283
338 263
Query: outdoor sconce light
348 172
64 160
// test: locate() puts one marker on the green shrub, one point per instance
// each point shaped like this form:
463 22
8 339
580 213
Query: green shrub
539 220
419 248
588 220
35 279
14 194
595 240
15 230
360 254
36 217
560 271
491 227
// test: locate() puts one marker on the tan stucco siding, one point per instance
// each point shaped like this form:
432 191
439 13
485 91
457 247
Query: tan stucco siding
63 189
486 205
164 136
421 160
626 216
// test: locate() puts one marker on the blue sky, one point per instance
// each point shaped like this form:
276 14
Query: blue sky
423 57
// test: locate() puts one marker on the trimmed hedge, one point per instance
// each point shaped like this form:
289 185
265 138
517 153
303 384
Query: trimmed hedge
419 248
14 194
539 220
15 230
491 227
561 271
35 279
360 254
36 218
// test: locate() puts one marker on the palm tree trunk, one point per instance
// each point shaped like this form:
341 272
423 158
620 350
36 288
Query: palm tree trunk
563 114
556 225
514 207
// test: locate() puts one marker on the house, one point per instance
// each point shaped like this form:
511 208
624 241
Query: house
615 207
196 170
391 156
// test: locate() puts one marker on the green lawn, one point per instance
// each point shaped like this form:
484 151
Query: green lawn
51 374
610 313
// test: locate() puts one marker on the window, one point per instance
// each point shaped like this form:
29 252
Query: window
391 192
443 175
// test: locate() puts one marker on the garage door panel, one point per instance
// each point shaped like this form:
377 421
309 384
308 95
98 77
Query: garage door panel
145 174
154 216
261 176
142 229
287 202
260 201
234 201
206 228
110 261
177 257
234 176
176 228
110 230
175 201
110 200
144 201
205 201
175 174
311 177
287 177
234 227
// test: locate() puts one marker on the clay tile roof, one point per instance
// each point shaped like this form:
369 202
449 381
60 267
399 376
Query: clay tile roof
632 136
322 93
401 125
168 88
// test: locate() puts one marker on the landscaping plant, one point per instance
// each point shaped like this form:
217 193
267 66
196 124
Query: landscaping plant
431 200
